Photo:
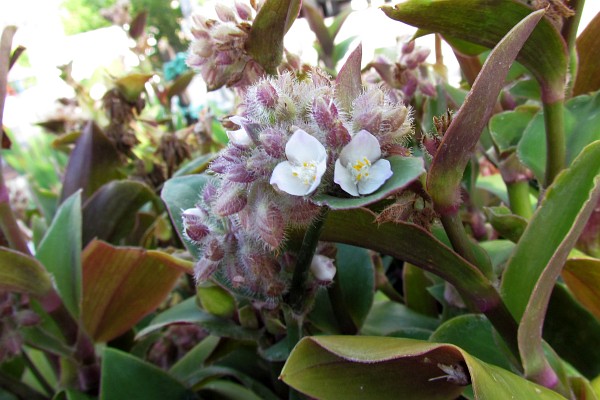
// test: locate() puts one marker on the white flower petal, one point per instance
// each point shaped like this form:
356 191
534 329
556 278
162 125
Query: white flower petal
363 144
239 137
322 268
379 172
302 147
344 178
283 178
321 167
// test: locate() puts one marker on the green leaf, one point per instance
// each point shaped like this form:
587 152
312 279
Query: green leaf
408 242
265 42
405 169
573 332
356 279
507 127
23 274
508 225
121 285
110 213
316 22
93 162
550 235
60 252
340 49
195 166
338 21
588 54
188 312
474 334
485 23
388 317
180 84
187 367
542 250
227 390
416 297
582 276
125 376
348 84
461 137
179 194
582 118
360 367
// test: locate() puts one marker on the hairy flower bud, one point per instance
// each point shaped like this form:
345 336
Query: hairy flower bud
244 11
204 269
224 13
269 222
231 199
266 94
193 224
273 142
239 173
324 113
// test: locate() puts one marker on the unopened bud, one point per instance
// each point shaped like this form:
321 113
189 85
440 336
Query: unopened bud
266 94
243 10
224 13
324 113
204 269
214 251
269 222
408 47
322 268
193 223
239 173
231 199
273 142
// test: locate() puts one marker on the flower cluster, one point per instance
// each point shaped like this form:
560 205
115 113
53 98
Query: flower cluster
218 46
294 142
408 74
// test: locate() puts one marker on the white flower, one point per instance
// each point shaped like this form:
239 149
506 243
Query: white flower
322 268
359 169
239 137
307 161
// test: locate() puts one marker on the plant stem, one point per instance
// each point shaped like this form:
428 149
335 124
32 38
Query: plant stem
569 29
37 374
382 283
518 196
556 147
305 256
458 236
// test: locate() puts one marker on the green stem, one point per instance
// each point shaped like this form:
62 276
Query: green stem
382 283
37 374
556 147
305 256
518 196
569 29
458 237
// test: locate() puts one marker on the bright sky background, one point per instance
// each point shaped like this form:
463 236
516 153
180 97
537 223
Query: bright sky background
40 31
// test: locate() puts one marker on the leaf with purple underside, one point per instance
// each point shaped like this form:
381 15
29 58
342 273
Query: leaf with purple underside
348 84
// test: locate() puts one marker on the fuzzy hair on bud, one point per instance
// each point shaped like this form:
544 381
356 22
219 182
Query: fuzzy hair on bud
204 269
273 141
231 199
193 223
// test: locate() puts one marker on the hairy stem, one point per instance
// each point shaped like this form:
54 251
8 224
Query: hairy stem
556 147
518 196
305 256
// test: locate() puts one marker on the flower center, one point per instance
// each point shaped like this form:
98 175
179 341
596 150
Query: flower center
360 169
306 172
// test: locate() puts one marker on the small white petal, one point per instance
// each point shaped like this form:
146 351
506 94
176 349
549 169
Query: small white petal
322 268
283 178
239 137
363 144
378 174
302 147
344 178
321 167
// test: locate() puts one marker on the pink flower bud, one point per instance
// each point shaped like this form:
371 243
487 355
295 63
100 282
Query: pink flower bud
231 199
324 113
266 94
269 222
224 13
209 193
193 223
243 10
338 136
408 47
204 269
214 250
239 173
224 58
273 142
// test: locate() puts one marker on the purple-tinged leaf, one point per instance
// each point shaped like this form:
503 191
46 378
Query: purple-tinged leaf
110 213
485 23
364 367
93 162
348 84
582 276
131 86
138 24
460 139
5 46
121 285
588 52
265 43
